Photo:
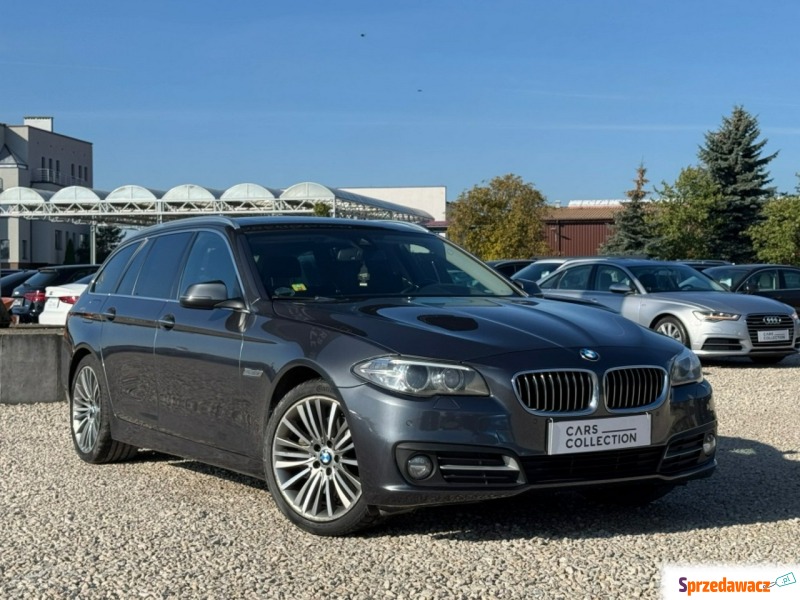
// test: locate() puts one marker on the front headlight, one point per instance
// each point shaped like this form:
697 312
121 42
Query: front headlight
422 378
685 369
713 316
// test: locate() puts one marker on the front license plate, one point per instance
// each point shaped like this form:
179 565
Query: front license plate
776 335
17 302
596 435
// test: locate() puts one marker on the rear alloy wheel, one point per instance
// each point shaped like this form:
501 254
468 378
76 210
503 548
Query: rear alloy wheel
311 464
672 327
90 417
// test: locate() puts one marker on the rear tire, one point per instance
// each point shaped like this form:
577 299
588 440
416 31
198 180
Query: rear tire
311 464
90 417
672 327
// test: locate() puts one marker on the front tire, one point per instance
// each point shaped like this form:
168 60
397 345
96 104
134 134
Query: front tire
672 327
90 417
311 464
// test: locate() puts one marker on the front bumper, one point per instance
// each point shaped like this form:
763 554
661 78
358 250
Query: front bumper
741 338
485 448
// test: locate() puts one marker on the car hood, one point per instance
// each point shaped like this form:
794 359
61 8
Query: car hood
723 302
466 329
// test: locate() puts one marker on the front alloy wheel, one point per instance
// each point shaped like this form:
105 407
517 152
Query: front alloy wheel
672 327
311 463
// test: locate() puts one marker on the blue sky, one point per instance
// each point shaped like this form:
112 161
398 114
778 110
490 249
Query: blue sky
571 95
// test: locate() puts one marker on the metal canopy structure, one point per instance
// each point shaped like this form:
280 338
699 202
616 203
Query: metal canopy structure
136 206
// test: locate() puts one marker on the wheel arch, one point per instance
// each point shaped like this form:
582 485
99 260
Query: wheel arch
79 354
664 315
290 379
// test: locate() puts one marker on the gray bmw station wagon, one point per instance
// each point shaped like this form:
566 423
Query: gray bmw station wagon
364 368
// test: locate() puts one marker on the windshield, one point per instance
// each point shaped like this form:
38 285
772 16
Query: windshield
674 278
730 277
536 271
343 262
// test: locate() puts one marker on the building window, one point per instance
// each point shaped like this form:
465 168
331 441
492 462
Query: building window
44 164
50 163
58 166
5 245
72 170
80 172
59 241
86 173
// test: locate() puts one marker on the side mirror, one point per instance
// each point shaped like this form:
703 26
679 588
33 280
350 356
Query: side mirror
205 295
530 287
620 288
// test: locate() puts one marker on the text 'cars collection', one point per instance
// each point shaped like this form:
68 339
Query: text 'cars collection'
366 368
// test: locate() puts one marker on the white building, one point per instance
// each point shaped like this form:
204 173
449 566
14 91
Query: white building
47 198
32 155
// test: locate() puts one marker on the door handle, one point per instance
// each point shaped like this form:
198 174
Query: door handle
110 314
167 322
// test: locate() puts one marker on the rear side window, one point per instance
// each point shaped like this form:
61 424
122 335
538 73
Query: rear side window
107 279
791 279
161 269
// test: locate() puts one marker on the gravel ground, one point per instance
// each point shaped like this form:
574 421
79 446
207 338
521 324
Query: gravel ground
159 527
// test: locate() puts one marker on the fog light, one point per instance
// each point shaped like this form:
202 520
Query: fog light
419 467
709 443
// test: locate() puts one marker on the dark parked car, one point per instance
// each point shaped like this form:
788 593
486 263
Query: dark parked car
703 264
779 282
29 296
12 279
509 266
364 368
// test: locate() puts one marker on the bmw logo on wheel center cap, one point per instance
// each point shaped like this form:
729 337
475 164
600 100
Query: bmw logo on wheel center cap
325 457
588 354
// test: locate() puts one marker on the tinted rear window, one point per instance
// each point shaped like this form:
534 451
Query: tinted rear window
42 279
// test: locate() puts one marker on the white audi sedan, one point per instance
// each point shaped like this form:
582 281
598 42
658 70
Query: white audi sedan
683 303
59 300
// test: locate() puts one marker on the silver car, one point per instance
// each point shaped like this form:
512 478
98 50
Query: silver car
679 301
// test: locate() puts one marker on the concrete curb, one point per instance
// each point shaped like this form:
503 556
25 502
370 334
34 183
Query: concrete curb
30 364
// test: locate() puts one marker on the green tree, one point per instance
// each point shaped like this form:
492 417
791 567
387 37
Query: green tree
776 238
69 253
503 219
632 232
107 237
732 156
82 253
322 210
683 215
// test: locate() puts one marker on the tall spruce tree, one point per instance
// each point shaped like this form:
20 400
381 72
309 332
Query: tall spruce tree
732 156
632 233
